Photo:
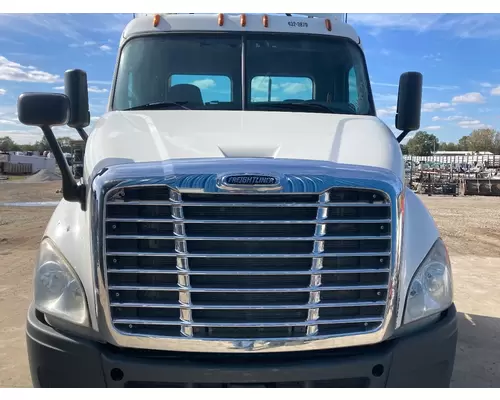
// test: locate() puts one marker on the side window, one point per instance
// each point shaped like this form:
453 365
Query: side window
280 88
353 89
214 88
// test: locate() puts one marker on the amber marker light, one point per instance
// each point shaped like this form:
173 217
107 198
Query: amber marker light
265 21
328 24
220 20
156 20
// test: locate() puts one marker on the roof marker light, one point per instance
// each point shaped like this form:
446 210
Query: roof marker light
220 20
328 24
156 20
243 20
265 21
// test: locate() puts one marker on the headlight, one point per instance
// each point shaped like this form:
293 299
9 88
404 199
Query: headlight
57 289
431 289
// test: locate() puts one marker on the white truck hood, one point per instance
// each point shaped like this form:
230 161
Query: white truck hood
144 136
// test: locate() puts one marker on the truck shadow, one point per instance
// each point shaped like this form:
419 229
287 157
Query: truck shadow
477 363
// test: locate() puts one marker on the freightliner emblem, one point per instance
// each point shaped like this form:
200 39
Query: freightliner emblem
249 181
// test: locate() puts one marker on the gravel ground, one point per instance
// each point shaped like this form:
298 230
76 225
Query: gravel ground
468 225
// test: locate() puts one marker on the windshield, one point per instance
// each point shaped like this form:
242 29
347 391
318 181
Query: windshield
222 71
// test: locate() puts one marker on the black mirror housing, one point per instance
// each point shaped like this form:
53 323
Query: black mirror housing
46 110
43 109
409 102
75 88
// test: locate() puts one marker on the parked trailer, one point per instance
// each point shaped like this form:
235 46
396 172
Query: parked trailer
480 187
37 163
16 169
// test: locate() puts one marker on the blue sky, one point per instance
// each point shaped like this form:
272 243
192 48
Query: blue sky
458 54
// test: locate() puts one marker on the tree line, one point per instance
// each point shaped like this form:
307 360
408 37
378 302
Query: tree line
7 144
424 144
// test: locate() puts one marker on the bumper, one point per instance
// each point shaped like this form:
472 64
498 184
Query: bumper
424 359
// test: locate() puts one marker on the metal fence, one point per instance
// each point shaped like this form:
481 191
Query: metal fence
477 175
488 160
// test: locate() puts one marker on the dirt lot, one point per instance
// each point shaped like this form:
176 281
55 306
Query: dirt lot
469 227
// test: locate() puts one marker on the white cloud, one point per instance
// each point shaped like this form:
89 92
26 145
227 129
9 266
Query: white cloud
438 87
87 43
91 89
458 25
415 22
429 107
22 137
470 122
75 27
204 83
485 84
426 107
387 111
12 71
95 89
3 91
432 128
99 82
385 52
105 47
261 84
8 122
472 97
295 87
495 91
383 97
450 118
473 124
433 57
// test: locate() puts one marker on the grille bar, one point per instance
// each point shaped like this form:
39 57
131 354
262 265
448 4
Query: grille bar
247 221
252 273
252 205
249 238
252 307
289 255
244 290
131 321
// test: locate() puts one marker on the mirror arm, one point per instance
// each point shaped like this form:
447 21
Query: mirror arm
73 191
82 134
402 135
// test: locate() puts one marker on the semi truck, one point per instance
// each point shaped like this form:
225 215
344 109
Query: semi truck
241 219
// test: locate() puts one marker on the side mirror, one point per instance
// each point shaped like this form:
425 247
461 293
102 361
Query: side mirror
46 110
43 109
409 103
75 87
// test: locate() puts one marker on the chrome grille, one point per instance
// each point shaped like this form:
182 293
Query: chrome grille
241 266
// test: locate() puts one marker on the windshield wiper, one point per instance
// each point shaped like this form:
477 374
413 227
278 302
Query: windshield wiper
159 105
295 106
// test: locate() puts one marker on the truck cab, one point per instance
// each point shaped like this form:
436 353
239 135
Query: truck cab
241 219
